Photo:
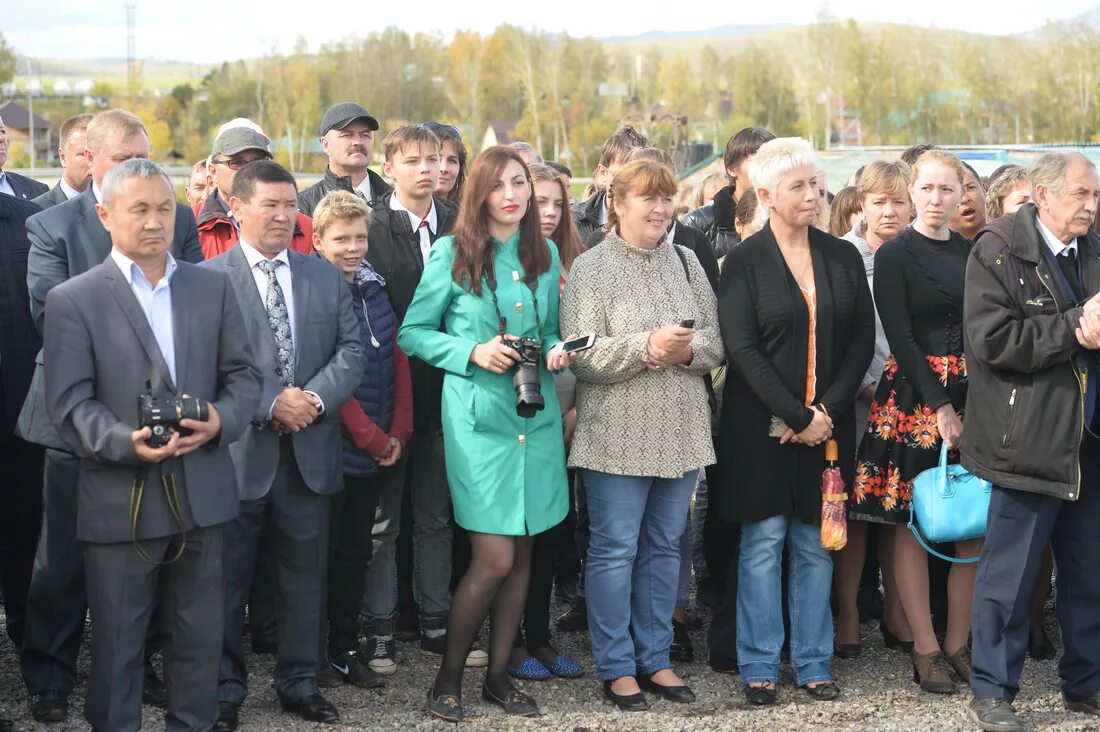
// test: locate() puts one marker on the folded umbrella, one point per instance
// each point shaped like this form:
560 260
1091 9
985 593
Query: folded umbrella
834 518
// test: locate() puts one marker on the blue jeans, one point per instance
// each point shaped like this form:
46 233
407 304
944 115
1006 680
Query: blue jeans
760 605
633 567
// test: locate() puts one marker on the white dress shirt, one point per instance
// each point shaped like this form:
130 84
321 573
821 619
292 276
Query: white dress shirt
1054 243
363 189
425 232
97 193
155 301
68 190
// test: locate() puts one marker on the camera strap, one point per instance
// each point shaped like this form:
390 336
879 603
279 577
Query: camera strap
171 495
502 322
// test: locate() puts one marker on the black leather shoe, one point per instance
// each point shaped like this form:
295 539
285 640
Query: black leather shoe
6 724
228 717
761 696
154 692
995 715
682 694
626 702
516 702
1085 706
721 664
575 618
1039 645
50 707
847 650
265 645
681 650
313 708
826 691
328 678
447 707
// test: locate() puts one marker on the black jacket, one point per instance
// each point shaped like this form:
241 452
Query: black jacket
587 214
310 197
394 252
765 323
685 236
1025 408
26 188
19 339
716 221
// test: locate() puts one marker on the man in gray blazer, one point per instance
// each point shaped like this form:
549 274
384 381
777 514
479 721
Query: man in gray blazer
150 518
76 172
304 336
68 240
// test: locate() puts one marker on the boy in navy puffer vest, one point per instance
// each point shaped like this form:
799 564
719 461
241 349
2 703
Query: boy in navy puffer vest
377 424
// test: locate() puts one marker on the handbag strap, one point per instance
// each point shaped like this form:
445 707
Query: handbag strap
930 550
943 453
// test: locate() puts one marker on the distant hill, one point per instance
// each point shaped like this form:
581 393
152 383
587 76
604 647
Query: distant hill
154 73
1090 18
725 31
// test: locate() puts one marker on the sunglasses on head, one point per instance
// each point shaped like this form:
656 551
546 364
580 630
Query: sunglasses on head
438 127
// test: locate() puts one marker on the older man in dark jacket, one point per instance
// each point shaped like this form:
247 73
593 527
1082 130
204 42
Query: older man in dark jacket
1032 329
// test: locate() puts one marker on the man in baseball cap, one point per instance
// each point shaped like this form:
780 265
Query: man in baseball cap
347 136
238 143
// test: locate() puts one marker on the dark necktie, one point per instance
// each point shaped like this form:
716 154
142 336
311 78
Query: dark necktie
279 320
1067 260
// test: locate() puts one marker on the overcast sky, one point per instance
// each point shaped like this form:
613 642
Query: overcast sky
216 30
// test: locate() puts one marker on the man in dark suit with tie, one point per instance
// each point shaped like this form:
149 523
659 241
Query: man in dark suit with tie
12 183
150 515
76 172
304 337
68 240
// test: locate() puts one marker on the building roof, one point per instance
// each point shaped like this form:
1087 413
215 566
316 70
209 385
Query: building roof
18 117
505 130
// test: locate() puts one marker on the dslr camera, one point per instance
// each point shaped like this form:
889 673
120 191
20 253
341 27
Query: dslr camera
526 376
161 413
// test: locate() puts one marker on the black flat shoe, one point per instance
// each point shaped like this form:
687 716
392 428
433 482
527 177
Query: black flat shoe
50 707
626 702
894 643
1085 706
447 707
516 703
228 717
575 618
682 694
761 696
995 715
313 708
847 650
1039 645
681 650
826 691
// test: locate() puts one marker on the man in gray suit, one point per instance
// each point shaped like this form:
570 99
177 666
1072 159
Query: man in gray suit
150 517
76 172
68 240
304 336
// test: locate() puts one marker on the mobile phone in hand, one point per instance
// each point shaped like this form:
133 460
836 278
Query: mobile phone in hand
687 323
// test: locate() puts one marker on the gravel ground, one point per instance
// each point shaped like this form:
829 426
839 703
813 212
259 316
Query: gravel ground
878 694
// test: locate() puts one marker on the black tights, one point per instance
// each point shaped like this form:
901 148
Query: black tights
494 585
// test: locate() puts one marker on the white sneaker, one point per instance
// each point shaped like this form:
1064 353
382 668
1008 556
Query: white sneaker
382 652
477 658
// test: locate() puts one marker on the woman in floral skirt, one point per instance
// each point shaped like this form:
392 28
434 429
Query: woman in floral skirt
919 402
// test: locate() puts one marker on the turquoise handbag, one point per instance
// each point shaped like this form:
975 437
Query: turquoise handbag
949 504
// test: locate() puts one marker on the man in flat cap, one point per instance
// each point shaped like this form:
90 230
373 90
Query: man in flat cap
347 135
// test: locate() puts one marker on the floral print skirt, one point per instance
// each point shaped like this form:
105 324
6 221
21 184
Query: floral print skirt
902 440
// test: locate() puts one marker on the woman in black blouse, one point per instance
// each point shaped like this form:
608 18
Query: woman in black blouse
919 293
799 329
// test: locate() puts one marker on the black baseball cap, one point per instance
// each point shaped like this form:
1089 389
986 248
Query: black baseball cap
341 115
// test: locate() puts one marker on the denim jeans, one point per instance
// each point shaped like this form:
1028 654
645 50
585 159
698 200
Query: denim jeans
760 606
633 567
422 464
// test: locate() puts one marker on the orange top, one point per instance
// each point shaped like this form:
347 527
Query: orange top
811 347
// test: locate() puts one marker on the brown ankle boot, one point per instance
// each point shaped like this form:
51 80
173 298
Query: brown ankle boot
960 661
932 672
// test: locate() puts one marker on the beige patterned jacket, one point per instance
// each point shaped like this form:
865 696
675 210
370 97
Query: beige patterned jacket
631 420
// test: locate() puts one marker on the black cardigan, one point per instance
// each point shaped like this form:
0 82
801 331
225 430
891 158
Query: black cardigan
764 323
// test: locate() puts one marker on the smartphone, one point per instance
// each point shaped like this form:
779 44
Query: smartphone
687 323
581 343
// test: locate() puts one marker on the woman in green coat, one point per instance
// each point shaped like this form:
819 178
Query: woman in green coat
493 283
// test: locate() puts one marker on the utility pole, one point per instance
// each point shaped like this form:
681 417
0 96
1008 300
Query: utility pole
131 53
30 107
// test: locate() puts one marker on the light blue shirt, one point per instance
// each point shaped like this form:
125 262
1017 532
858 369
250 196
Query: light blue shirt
156 302
5 184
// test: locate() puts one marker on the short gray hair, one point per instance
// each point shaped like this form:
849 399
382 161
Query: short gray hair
778 157
1049 170
133 168
520 146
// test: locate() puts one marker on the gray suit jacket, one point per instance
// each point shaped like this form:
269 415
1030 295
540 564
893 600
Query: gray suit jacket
68 240
51 198
329 362
101 352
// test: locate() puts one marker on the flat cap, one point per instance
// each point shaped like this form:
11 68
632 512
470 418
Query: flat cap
341 115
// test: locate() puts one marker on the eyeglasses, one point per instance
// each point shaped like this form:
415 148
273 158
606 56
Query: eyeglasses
438 127
238 163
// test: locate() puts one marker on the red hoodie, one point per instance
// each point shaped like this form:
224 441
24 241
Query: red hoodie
217 234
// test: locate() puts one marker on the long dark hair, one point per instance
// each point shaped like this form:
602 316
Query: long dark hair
473 240
450 133
565 236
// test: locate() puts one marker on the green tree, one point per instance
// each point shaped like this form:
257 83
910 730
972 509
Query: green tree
7 61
